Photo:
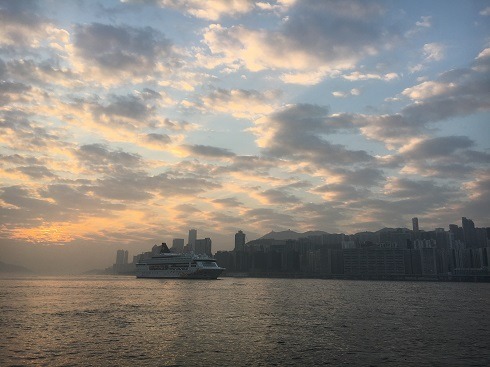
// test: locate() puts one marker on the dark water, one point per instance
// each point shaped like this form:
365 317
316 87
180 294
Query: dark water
123 321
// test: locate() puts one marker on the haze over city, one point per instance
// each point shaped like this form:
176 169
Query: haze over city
123 124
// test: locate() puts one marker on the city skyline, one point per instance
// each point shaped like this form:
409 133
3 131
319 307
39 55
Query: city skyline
126 122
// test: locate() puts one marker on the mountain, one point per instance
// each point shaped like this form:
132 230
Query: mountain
386 229
13 269
291 235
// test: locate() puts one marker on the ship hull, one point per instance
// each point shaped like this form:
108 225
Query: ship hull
179 274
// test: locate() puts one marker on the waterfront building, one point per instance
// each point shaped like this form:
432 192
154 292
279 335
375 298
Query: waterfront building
374 262
192 240
122 266
177 245
239 241
415 224
469 232
203 246
121 257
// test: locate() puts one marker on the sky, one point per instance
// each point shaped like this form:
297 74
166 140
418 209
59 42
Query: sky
125 123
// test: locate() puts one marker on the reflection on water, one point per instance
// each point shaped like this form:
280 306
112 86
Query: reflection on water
145 322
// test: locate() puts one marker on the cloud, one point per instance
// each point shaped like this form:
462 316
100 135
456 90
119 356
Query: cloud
12 92
21 23
177 125
341 192
296 133
123 114
270 219
279 196
76 200
356 75
99 158
485 12
421 25
436 147
129 106
230 202
20 133
208 151
159 140
478 193
459 92
447 157
425 22
317 35
239 103
362 177
210 10
41 73
434 51
123 187
168 184
323 215
123 50
428 89
422 194
352 92
36 172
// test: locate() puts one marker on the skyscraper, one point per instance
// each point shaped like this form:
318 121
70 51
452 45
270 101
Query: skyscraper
239 241
121 257
178 245
415 224
469 232
203 246
192 239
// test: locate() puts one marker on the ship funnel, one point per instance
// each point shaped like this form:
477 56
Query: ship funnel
165 249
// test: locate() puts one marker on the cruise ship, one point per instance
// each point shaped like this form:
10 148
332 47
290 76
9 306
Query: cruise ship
170 265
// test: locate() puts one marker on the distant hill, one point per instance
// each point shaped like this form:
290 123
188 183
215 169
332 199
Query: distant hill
13 269
290 235
386 229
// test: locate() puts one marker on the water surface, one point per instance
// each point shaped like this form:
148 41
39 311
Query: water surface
124 321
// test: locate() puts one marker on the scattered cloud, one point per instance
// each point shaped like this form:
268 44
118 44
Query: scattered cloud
425 22
122 50
208 151
485 12
210 10
239 103
317 35
352 92
434 51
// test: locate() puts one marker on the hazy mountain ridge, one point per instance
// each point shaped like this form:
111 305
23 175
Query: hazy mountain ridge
14 269
291 235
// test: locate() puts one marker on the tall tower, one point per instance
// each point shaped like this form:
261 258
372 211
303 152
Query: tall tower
469 232
192 239
239 241
120 255
415 224
178 245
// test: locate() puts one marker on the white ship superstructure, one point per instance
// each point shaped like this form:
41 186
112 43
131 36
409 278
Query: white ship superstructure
170 265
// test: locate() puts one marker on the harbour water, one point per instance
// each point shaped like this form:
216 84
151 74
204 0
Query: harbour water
124 321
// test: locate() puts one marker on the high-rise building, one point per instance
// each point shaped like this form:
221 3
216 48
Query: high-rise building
177 245
192 239
121 257
469 232
239 241
203 246
415 224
